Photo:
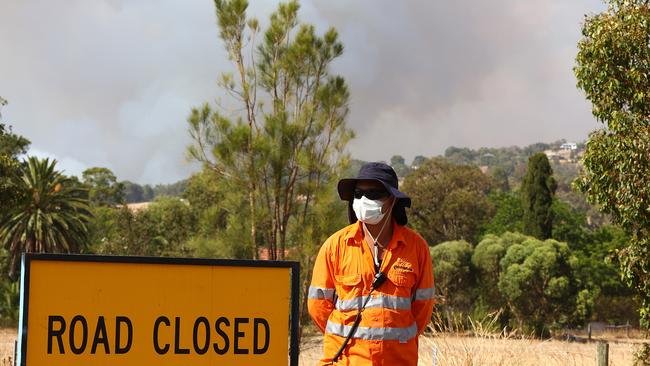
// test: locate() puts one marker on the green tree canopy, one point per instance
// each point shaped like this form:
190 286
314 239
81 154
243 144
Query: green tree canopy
148 193
398 163
461 155
500 176
489 252
281 153
276 158
418 160
537 191
10 143
173 222
487 261
9 168
449 201
103 187
537 280
613 69
163 228
453 274
11 146
507 215
51 214
133 192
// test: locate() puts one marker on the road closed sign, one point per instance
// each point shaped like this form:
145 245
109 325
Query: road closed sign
99 310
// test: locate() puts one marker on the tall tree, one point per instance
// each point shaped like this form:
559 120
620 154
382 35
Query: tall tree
51 214
148 193
278 155
449 201
103 187
537 191
507 215
133 192
398 163
417 161
500 177
11 146
613 69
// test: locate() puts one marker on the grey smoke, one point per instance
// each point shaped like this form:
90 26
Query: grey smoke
110 83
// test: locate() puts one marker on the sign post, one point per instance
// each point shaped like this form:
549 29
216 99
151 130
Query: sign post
107 310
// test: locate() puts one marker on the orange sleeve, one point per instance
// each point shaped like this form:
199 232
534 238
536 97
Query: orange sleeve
424 296
322 293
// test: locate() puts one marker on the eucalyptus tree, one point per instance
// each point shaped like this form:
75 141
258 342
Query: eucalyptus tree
103 187
450 202
613 70
11 147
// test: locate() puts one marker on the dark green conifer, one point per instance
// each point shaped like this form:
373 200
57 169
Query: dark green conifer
537 191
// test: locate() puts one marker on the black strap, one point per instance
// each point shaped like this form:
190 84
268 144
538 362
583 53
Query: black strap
379 279
355 325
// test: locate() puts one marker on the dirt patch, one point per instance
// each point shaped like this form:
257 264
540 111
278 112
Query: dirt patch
7 342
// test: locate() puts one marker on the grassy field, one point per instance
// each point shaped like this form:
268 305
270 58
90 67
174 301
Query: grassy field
454 350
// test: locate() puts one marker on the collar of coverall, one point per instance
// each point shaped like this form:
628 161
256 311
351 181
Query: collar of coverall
355 234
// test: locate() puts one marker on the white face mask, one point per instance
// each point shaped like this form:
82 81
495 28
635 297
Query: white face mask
368 211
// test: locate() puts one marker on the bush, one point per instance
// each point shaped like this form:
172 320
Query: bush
453 274
538 281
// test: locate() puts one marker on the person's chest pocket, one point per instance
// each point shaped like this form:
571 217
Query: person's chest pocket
403 281
348 285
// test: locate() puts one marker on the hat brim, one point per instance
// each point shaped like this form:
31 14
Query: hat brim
346 190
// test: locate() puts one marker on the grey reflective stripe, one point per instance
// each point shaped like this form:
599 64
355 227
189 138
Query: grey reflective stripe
382 301
424 293
321 293
384 334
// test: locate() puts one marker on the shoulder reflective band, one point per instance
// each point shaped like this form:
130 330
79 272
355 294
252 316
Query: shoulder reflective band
381 301
320 293
379 334
424 293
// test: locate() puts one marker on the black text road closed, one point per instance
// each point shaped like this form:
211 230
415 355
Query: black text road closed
93 310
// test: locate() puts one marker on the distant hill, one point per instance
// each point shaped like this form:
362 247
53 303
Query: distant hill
512 159
509 163
135 193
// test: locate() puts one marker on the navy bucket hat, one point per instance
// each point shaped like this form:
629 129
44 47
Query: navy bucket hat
383 174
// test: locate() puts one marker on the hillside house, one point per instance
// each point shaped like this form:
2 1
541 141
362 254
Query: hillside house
571 146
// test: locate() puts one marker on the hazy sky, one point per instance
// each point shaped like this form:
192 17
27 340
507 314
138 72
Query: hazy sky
111 82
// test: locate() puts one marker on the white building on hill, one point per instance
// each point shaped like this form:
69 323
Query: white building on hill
569 146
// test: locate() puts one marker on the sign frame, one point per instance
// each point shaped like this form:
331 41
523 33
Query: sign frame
28 258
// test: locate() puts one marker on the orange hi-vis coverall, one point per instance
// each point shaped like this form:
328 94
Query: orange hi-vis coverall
398 311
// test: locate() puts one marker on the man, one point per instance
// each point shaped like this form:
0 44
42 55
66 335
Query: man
372 289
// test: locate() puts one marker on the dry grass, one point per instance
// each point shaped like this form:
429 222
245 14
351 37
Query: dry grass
456 350
485 345
466 351
7 339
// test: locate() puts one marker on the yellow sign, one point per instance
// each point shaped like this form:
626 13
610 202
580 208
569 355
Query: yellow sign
96 310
